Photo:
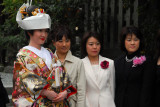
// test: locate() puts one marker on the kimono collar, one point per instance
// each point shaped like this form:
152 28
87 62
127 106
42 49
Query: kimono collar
69 56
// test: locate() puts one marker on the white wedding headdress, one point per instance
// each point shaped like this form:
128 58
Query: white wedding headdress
39 20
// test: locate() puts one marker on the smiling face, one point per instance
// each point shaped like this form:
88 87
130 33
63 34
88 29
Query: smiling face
39 36
93 47
132 43
63 45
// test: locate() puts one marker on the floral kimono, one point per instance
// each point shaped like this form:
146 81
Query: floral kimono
31 75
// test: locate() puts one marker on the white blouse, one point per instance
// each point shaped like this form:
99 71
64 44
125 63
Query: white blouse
42 53
95 70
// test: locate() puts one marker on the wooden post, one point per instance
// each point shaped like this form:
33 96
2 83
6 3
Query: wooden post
99 15
92 15
105 24
135 13
120 17
112 23
127 17
86 16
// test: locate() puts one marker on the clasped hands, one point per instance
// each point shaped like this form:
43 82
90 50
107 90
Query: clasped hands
51 95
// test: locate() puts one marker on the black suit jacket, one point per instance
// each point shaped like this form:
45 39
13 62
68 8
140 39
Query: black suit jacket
134 87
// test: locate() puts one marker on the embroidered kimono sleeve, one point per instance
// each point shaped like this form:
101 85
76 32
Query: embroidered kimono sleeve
27 86
67 85
63 82
59 79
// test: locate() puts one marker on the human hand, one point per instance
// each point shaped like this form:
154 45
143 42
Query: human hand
61 96
49 94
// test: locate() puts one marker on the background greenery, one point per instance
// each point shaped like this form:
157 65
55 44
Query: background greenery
70 12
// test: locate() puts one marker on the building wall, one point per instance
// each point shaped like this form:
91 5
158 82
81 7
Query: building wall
108 17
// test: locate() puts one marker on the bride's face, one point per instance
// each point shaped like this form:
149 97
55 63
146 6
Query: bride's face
39 36
93 47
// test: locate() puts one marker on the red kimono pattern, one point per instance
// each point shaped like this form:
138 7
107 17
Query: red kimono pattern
31 75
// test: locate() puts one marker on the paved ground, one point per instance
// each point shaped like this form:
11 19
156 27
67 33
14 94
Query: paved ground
7 82
7 79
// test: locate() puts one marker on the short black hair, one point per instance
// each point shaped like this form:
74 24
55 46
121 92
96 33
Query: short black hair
58 31
131 30
85 38
26 33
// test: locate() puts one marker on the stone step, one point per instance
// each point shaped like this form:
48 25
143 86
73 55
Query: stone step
7 80
10 104
9 90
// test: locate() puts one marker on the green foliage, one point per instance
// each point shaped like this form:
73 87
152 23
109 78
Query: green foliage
63 11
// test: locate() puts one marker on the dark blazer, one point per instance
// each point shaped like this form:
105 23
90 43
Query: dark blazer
134 87
157 94
3 95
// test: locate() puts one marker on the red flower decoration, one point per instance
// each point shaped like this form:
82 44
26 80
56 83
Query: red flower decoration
104 64
23 50
52 77
49 78
30 55
28 51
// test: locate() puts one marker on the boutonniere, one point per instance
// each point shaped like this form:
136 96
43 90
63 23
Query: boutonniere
104 64
138 61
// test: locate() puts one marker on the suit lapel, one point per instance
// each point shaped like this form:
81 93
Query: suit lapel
102 71
89 70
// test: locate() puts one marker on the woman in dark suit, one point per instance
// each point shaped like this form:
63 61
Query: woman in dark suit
134 72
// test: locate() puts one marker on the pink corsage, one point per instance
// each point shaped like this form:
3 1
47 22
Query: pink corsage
104 64
138 61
